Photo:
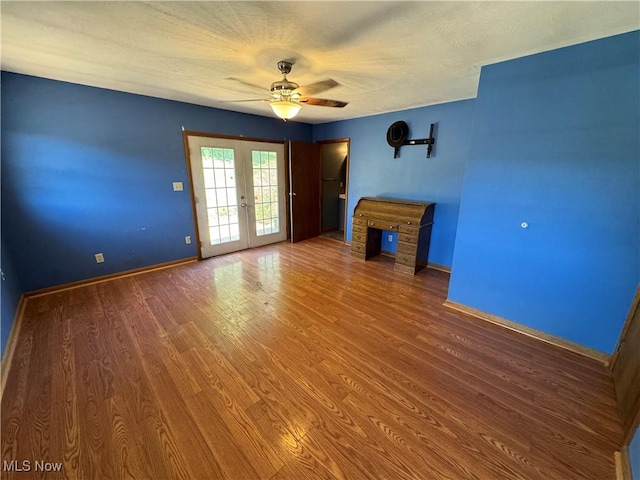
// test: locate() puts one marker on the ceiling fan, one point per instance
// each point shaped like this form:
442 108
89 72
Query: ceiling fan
286 98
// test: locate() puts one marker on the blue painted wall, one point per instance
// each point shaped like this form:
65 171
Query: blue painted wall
87 170
374 172
634 455
555 144
10 292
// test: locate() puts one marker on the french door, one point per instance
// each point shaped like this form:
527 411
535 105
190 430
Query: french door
239 193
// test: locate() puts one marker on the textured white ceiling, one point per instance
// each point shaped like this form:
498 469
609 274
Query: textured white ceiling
386 56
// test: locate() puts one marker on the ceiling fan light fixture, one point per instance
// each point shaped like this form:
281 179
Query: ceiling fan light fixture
285 109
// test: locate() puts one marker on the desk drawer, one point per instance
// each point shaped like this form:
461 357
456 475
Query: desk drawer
359 228
358 247
359 237
382 225
407 248
409 228
408 238
406 259
359 220
359 255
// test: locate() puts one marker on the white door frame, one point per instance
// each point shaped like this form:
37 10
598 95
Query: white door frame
246 194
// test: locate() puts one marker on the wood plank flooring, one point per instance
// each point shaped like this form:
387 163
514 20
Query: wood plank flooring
295 362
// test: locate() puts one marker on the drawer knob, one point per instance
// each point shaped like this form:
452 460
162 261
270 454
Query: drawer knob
360 215
372 223
390 226
408 223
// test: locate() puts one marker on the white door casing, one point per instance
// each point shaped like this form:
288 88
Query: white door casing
239 193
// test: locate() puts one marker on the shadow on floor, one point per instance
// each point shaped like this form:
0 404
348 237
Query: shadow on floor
334 234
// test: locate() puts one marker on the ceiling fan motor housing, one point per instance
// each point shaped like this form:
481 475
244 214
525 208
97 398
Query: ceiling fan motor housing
284 67
278 87
284 88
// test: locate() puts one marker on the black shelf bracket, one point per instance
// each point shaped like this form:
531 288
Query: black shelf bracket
429 142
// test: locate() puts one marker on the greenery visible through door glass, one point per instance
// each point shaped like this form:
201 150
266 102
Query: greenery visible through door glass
218 166
265 191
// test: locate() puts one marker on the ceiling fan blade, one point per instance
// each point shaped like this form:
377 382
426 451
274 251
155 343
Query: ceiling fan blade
253 87
323 102
246 100
317 87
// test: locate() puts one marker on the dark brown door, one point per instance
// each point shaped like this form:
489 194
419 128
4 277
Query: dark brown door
304 190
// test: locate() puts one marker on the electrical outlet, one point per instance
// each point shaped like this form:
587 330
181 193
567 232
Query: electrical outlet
390 238
177 186
99 258
187 240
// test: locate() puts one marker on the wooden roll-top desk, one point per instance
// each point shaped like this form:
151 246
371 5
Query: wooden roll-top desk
411 219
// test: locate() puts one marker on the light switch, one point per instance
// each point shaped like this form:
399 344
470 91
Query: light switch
177 186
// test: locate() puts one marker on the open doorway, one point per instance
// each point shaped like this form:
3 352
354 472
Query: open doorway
334 156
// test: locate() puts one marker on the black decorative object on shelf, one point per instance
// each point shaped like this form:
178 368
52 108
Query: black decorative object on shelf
397 137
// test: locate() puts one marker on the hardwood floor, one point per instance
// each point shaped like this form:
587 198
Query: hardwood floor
295 362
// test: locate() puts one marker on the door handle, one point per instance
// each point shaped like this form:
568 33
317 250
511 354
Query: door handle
292 194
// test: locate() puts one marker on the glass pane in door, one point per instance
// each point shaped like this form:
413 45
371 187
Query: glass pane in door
218 165
265 191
